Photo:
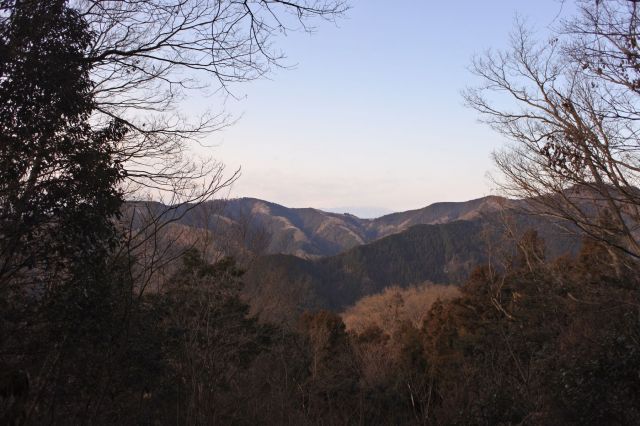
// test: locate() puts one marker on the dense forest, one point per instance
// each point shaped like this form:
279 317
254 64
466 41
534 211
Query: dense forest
115 309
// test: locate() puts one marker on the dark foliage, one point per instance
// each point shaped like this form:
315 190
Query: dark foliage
58 198
539 344
58 178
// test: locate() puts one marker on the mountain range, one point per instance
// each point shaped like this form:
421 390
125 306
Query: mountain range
307 259
313 233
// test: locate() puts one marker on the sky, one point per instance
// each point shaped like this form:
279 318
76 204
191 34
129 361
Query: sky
370 118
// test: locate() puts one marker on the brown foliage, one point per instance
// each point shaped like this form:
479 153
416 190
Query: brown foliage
395 306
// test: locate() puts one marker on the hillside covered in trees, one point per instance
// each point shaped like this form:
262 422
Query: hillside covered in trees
444 254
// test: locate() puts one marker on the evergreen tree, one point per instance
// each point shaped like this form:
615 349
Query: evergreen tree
59 195
58 176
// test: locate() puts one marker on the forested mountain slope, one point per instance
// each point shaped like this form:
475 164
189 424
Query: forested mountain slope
441 253
311 233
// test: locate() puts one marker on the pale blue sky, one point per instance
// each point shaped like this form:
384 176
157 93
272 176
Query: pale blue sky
371 115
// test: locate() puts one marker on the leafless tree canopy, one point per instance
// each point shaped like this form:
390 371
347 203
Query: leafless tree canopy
148 55
571 107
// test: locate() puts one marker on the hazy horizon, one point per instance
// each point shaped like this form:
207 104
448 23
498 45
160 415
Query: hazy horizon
362 212
371 116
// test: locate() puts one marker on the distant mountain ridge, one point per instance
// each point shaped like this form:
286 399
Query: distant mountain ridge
313 233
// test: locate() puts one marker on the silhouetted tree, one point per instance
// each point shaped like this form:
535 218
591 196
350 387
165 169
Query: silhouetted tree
59 196
572 120
147 55
58 176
